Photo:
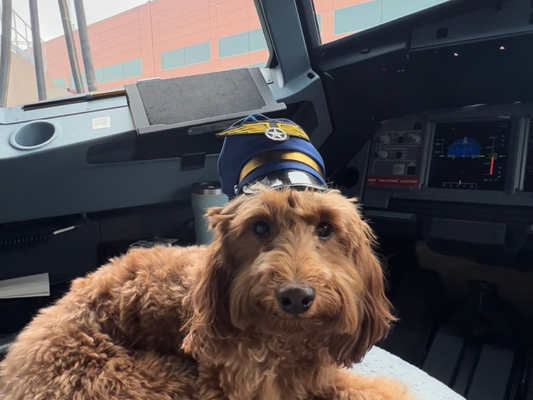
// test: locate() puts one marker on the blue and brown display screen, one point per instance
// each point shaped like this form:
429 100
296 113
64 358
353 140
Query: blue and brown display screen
470 155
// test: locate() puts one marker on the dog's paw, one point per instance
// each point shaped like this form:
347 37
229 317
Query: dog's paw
372 395
375 389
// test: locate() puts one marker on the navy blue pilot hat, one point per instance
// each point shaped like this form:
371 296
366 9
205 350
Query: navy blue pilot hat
273 152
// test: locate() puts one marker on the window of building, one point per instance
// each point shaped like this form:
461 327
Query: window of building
173 59
61 82
83 81
358 17
258 65
364 14
257 40
195 54
125 33
393 9
132 68
99 75
114 72
242 43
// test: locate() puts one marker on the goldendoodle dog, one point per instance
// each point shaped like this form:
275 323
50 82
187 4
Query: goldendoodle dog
289 293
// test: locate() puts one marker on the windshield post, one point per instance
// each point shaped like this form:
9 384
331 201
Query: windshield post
37 50
85 46
71 47
5 51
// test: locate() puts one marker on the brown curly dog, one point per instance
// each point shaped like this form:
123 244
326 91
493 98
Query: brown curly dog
289 292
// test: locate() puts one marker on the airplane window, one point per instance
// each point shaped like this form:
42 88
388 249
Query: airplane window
132 40
340 18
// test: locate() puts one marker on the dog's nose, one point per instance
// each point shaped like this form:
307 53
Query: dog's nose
295 299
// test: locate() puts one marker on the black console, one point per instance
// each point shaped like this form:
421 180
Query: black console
459 179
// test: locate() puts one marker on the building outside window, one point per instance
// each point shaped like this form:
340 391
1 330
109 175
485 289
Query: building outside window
139 39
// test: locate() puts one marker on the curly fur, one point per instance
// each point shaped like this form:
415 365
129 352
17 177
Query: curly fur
203 322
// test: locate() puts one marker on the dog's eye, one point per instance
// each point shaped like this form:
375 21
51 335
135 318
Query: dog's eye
261 229
324 230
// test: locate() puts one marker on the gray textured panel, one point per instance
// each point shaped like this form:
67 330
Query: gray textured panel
174 101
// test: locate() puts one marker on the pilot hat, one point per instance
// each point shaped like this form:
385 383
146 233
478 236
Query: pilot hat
274 152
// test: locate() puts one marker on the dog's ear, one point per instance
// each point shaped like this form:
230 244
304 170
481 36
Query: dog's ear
373 314
215 217
210 322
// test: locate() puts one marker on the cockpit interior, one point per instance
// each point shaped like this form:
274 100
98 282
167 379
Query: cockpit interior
426 118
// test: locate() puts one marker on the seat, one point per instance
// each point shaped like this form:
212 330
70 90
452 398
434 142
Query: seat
379 362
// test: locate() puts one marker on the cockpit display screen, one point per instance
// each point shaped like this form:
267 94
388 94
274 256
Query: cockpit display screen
470 155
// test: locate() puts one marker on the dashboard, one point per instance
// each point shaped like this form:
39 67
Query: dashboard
144 145
457 176
478 154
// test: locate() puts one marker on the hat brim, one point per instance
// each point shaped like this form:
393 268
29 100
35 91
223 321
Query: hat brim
286 178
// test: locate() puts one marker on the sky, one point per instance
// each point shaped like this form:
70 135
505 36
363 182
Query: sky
50 20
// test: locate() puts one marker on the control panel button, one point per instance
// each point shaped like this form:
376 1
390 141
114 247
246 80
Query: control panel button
383 154
384 139
415 138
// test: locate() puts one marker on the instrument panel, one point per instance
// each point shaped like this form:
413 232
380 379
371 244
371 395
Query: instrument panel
470 155
474 154
396 158
462 176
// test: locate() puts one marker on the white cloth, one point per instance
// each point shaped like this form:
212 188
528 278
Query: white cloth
379 362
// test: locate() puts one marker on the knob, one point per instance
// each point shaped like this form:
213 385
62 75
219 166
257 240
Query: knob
415 138
400 139
384 139
382 154
398 155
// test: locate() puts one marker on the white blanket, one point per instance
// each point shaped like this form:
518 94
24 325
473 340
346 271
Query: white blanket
379 362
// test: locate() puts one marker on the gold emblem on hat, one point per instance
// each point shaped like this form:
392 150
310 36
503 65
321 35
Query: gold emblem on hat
261 128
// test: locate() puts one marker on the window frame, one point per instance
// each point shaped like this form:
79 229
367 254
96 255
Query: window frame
272 60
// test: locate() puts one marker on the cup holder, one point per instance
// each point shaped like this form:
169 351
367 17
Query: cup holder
34 135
